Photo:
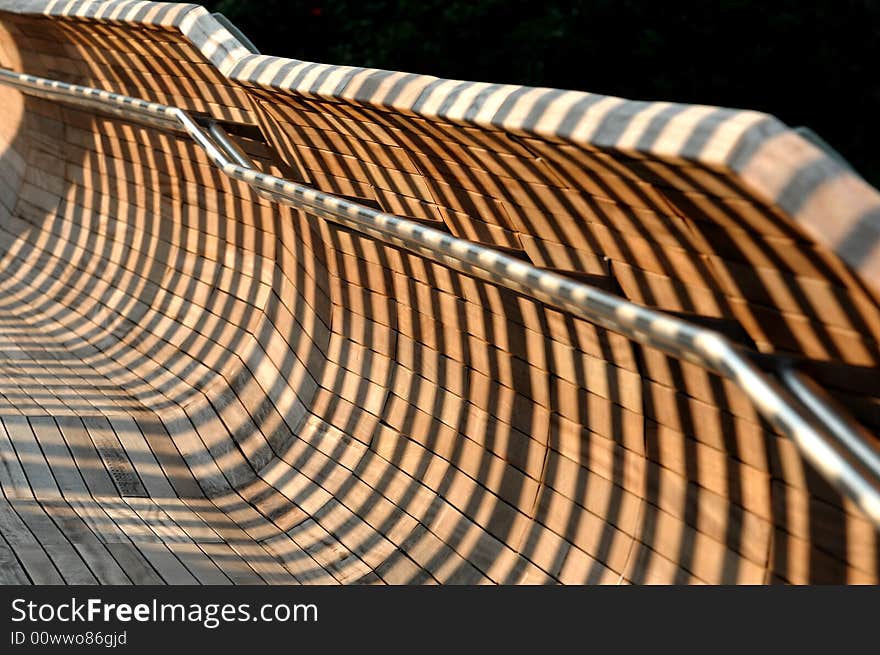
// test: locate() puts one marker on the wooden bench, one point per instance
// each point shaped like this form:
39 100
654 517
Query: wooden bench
200 385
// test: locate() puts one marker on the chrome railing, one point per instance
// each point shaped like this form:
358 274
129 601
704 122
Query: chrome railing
835 445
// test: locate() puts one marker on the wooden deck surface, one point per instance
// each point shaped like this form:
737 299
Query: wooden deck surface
200 386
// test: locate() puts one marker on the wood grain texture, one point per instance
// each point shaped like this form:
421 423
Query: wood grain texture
198 385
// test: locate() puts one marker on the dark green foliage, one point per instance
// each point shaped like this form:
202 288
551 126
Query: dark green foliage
809 62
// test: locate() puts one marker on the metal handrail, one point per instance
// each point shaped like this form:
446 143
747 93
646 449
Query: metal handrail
838 452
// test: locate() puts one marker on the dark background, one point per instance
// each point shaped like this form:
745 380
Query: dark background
809 62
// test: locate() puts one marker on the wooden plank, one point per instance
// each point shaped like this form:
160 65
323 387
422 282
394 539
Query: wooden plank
115 459
63 466
11 570
36 469
13 480
86 457
92 550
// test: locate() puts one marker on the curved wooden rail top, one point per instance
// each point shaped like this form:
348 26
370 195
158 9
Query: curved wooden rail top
269 321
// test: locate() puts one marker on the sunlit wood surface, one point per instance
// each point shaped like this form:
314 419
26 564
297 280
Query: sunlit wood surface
198 385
